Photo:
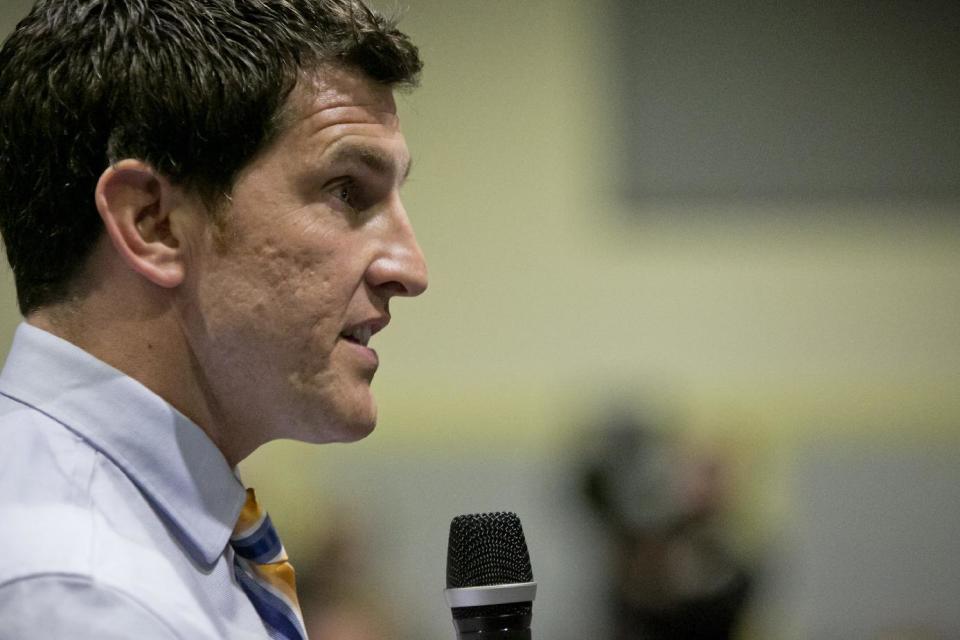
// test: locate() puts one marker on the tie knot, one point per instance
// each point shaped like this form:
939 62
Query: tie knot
254 537
264 573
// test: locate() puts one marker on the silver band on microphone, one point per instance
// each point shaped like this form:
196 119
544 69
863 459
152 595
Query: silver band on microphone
491 595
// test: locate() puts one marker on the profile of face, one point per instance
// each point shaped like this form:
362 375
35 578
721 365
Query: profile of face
282 296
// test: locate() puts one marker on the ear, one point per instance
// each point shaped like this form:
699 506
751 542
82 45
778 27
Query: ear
137 205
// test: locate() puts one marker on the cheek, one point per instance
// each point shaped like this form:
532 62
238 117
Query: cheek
269 291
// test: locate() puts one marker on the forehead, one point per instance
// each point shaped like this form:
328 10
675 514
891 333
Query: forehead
333 96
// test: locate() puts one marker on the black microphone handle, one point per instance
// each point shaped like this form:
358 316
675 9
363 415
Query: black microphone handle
509 626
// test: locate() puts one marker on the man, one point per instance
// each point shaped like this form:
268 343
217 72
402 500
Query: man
200 203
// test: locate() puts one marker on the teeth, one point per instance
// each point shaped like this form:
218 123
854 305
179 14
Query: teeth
362 334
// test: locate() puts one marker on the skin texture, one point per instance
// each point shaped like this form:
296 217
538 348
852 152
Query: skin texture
239 320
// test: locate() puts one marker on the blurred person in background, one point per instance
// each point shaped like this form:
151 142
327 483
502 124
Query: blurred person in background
200 204
673 576
334 590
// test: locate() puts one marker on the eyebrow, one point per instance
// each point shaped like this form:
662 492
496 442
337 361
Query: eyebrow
376 159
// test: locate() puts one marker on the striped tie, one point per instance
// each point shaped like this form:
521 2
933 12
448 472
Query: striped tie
265 574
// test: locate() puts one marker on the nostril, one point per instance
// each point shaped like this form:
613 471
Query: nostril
416 281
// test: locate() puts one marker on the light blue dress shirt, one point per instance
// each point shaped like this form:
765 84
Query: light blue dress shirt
115 510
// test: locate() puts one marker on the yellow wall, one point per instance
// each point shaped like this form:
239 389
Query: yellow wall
544 283
548 292
547 289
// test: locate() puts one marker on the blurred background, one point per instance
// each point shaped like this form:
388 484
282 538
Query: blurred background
694 315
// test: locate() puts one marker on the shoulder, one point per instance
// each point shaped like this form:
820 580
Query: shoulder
72 522
44 501
77 530
39 455
68 510
70 606
45 472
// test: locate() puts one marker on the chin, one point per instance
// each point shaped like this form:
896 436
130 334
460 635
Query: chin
356 430
343 428
323 407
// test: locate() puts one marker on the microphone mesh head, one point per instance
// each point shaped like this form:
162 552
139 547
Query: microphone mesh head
487 549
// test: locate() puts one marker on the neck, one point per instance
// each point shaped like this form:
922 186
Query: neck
143 338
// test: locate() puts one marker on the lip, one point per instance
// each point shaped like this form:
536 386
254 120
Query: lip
376 325
366 355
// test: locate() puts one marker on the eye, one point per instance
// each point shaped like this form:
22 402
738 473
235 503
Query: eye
356 194
347 192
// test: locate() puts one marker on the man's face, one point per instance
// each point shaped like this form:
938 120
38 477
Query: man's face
315 241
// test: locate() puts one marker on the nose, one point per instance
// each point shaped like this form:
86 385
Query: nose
400 268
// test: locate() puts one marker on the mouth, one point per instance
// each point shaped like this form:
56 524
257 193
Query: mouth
358 335
362 332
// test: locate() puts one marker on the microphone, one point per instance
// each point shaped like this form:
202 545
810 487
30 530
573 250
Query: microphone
490 587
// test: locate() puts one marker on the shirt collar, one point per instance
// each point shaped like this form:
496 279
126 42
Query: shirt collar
167 456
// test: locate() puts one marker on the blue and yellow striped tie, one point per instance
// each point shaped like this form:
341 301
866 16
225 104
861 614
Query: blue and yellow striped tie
265 574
